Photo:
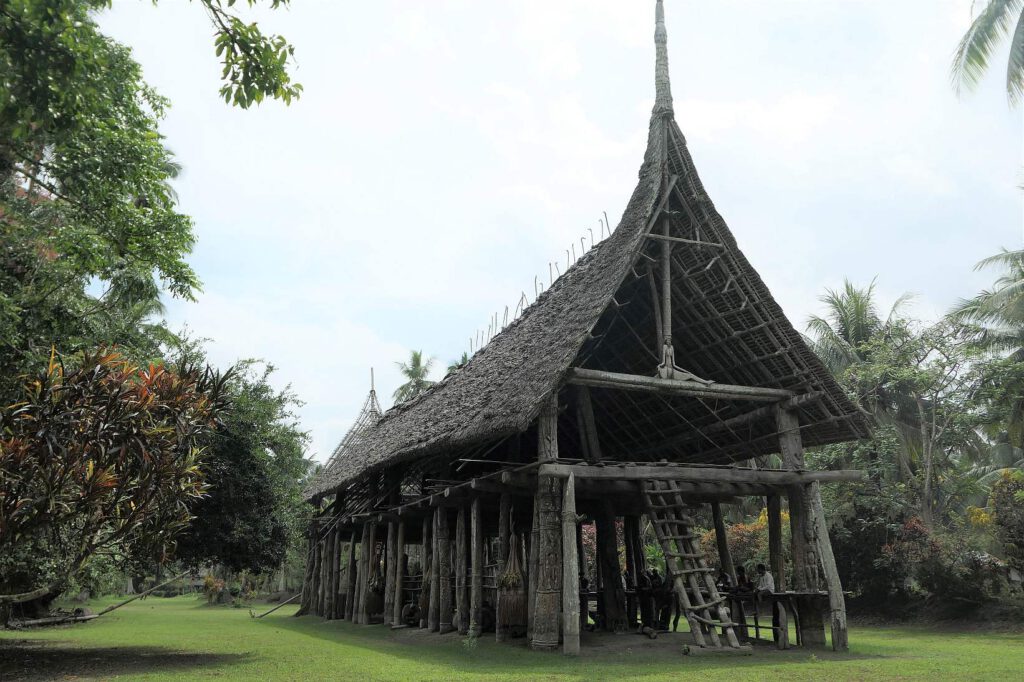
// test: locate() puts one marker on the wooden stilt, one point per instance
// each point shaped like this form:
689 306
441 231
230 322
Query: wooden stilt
570 573
444 567
582 558
777 562
363 585
631 536
332 572
532 570
307 581
350 578
613 598
722 541
461 568
400 568
434 615
389 572
428 571
504 547
476 589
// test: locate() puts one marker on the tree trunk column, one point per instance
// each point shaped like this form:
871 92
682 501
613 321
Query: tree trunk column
549 525
389 572
504 547
427 561
776 561
350 578
722 541
444 567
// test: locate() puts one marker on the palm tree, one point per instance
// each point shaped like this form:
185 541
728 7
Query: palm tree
415 371
999 310
991 27
852 320
456 365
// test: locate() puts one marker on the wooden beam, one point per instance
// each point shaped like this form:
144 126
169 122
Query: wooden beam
587 425
684 387
836 599
680 240
638 472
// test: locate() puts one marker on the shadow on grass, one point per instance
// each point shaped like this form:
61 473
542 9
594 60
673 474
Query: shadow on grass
37 659
607 653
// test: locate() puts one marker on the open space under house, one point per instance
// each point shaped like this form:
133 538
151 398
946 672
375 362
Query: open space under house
642 383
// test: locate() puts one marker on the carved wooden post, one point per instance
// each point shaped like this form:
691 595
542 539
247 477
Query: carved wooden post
318 561
476 592
389 572
399 598
504 547
307 579
631 535
532 570
570 573
444 567
461 555
776 560
350 578
722 541
428 571
549 524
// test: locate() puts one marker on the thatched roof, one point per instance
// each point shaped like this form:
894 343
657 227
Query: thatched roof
726 325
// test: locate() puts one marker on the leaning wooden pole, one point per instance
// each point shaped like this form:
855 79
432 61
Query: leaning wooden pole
476 582
722 541
836 599
427 560
570 573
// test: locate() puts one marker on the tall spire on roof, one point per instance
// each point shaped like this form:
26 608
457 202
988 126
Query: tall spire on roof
662 86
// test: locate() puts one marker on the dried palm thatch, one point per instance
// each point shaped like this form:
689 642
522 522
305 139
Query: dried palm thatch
512 606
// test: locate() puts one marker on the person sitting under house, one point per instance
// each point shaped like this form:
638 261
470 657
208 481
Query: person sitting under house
764 588
743 583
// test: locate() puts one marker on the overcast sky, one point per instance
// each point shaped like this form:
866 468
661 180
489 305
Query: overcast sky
445 152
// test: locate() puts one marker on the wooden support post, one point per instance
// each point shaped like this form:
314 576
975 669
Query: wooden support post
434 614
801 523
631 536
613 598
570 573
427 559
476 591
722 541
389 572
362 578
548 593
582 559
322 563
444 567
776 561
399 592
350 578
587 425
532 570
306 604
318 573
505 546
332 593
461 557
836 599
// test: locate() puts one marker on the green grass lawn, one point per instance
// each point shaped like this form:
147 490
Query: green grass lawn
182 639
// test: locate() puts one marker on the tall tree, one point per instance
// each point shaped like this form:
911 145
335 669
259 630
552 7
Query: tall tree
999 310
415 371
997 20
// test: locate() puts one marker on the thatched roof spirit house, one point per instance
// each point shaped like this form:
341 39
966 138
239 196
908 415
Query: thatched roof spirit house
634 386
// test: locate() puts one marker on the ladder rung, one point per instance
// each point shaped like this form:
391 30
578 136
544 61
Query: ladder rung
696 569
685 555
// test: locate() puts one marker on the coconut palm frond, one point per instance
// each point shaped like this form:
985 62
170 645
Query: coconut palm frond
990 28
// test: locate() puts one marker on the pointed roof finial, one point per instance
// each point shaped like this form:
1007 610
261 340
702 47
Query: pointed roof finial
373 388
662 86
